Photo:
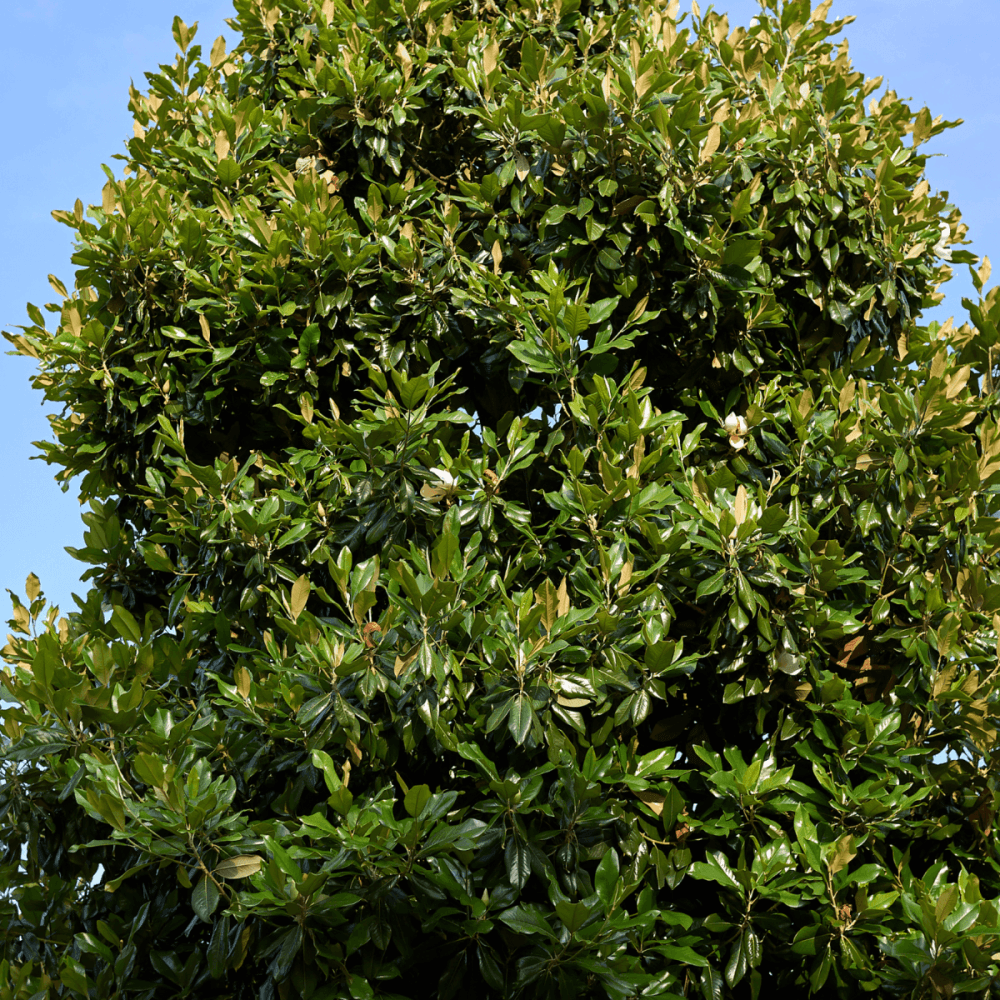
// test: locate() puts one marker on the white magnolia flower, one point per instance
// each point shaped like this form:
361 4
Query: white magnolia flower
736 425
941 248
446 487
444 477
737 429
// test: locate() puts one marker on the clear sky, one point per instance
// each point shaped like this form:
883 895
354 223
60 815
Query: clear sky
66 67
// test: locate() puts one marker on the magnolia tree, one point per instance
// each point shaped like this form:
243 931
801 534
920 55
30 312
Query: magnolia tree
535 549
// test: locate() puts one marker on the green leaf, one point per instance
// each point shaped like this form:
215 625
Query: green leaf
683 954
517 859
284 860
33 751
739 253
576 319
739 959
415 799
527 919
573 915
125 624
228 171
73 975
294 534
521 715
717 869
606 877
867 517
499 714
205 898
712 984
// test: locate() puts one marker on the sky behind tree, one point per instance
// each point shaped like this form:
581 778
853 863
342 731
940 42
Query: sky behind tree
67 65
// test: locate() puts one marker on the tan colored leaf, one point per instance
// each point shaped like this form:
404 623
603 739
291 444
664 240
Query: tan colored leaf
985 270
922 126
947 633
803 690
108 202
847 396
645 83
989 462
405 61
299 596
497 254
32 587
547 596
624 578
221 145
638 453
242 677
958 381
240 866
634 53
563 598
819 14
521 166
206 331
711 144
721 29
218 55
306 407
402 663
652 799
805 404
640 308
843 854
490 55
740 508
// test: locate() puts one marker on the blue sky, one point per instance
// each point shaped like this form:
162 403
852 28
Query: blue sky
66 67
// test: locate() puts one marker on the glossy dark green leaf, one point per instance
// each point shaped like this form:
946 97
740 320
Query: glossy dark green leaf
517 860
205 897
521 715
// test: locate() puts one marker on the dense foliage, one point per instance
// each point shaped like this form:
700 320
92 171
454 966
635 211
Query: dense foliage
535 549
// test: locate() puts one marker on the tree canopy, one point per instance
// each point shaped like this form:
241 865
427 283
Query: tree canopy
535 548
